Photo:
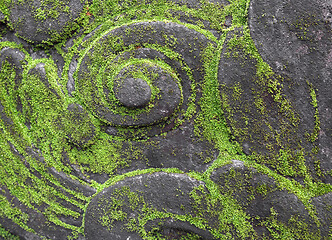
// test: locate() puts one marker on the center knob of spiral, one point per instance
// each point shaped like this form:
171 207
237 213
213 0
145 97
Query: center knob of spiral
132 92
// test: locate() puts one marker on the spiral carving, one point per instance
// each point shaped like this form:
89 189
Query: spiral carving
165 119
131 52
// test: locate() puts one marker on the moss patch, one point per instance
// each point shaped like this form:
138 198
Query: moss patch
39 135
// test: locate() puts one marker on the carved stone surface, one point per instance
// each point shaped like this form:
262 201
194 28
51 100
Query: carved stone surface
132 92
165 119
41 20
261 198
294 38
148 202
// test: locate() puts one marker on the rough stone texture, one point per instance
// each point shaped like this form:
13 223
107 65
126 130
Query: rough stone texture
164 104
143 34
14 57
257 119
2 16
179 148
168 106
273 115
132 92
323 208
111 211
41 224
259 194
294 38
41 21
221 82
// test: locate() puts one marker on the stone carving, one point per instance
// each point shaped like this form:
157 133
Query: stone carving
165 119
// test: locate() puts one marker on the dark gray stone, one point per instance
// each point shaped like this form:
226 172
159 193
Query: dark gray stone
323 206
169 94
41 21
180 147
132 92
69 183
37 220
240 89
2 16
262 199
151 129
110 213
15 58
273 116
295 38
24 152
9 35
144 33
164 104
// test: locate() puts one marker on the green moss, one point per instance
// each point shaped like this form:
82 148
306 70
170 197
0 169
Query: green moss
294 230
4 7
205 205
44 110
31 190
211 119
314 135
48 10
7 235
284 153
13 213
238 9
303 27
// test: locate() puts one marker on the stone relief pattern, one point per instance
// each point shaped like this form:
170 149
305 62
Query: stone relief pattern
165 119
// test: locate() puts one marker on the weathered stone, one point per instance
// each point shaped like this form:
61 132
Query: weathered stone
180 148
164 103
295 39
84 155
323 206
2 16
263 200
142 34
14 57
32 216
11 60
165 197
268 118
41 21
133 92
